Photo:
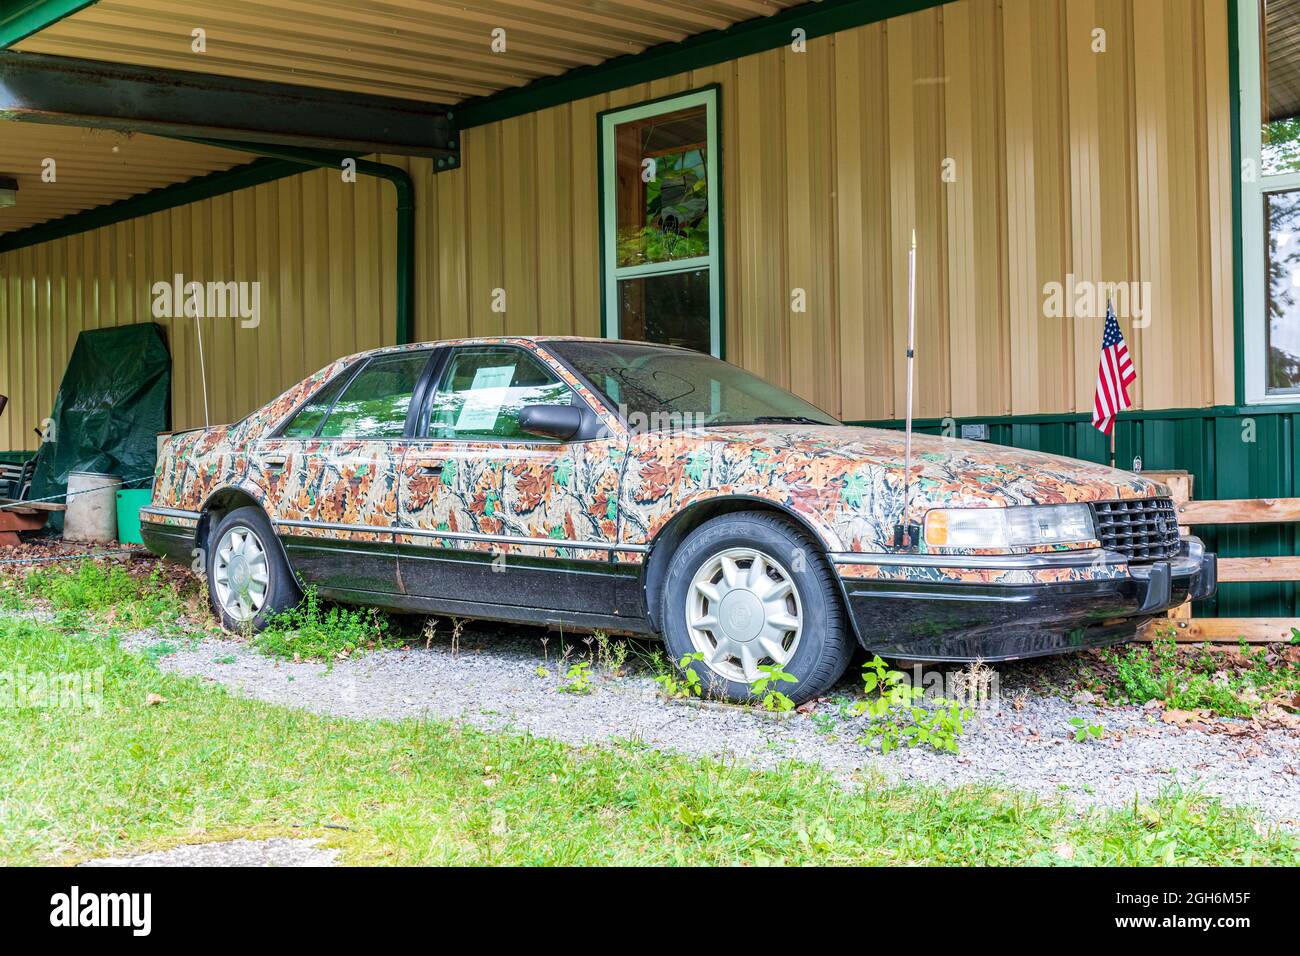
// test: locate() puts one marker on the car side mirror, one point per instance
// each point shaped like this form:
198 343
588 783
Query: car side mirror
551 421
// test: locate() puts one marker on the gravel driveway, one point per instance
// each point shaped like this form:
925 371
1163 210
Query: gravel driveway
1025 743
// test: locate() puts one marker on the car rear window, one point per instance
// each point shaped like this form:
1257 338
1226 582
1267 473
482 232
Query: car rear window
374 404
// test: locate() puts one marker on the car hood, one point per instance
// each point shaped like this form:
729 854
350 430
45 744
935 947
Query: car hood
945 472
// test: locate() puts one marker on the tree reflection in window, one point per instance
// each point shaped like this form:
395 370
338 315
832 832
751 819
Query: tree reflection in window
375 403
663 188
1283 215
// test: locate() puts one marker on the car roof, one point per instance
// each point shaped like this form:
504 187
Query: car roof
509 340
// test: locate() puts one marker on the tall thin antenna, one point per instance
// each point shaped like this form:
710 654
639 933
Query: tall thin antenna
903 535
203 371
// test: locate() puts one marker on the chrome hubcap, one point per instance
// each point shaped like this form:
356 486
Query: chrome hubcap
239 573
743 611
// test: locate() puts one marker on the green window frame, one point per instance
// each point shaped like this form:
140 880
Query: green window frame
612 273
1260 190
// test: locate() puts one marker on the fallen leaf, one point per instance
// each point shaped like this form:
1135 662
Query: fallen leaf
1291 703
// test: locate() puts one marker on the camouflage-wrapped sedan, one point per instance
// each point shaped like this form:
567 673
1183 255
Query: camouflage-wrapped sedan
590 483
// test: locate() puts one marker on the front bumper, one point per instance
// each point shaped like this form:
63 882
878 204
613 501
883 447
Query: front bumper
1001 607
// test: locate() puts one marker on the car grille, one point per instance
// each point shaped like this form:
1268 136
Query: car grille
1143 529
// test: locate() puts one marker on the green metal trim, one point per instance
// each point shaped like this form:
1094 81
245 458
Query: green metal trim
20 19
403 185
168 197
1213 411
667 59
720 120
600 221
1238 266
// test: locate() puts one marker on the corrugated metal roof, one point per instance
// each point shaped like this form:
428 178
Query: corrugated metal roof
93 168
424 49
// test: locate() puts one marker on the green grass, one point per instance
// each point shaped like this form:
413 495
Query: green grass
104 591
203 764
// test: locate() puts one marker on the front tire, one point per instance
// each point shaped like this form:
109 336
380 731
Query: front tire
751 590
249 580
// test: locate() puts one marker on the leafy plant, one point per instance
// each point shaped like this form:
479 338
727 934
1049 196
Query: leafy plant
896 716
158 650
324 632
578 677
687 684
770 698
824 723
1084 731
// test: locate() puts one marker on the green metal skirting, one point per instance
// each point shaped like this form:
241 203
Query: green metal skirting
1232 452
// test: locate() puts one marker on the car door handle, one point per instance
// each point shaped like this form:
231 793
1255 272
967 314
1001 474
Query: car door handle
429 467
275 461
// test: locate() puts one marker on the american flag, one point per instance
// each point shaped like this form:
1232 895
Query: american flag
1114 375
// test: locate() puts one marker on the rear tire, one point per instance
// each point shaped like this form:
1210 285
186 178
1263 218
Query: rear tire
786 612
249 579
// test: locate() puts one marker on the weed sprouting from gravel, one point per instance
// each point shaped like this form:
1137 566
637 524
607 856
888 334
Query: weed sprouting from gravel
1227 682
324 632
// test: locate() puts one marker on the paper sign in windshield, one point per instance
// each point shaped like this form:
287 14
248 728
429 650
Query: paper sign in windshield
484 400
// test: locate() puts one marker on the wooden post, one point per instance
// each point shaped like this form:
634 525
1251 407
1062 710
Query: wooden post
1180 489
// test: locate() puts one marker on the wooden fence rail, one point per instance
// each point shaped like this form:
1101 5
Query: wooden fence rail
1254 630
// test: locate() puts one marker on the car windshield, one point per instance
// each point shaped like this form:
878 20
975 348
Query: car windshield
658 388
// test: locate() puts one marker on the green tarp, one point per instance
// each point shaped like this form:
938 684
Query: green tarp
114 399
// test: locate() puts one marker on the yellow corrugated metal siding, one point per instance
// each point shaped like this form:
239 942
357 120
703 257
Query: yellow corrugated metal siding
93 167
1111 166
322 250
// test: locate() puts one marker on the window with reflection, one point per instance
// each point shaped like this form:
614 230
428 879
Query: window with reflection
659 167
375 402
1283 217
483 390
1280 87
1268 34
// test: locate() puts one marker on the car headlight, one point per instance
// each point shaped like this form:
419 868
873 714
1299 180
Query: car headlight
1018 527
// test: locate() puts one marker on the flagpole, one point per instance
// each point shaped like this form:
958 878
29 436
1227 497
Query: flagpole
203 370
903 535
1115 374
1115 423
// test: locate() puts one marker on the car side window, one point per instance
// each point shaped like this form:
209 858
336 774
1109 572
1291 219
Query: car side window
483 391
374 404
307 420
